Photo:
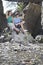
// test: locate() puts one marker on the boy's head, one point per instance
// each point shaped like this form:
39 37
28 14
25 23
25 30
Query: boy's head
9 13
17 14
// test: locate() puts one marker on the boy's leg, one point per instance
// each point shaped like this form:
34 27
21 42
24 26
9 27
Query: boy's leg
22 27
16 29
12 27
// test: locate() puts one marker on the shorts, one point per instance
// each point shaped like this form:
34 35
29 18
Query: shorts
11 25
18 26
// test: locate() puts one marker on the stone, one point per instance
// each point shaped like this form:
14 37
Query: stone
33 15
39 38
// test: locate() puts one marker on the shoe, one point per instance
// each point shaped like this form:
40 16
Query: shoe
17 32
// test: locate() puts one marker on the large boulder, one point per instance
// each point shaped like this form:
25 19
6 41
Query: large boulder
33 18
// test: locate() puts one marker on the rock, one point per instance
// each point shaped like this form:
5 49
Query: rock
39 38
33 15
